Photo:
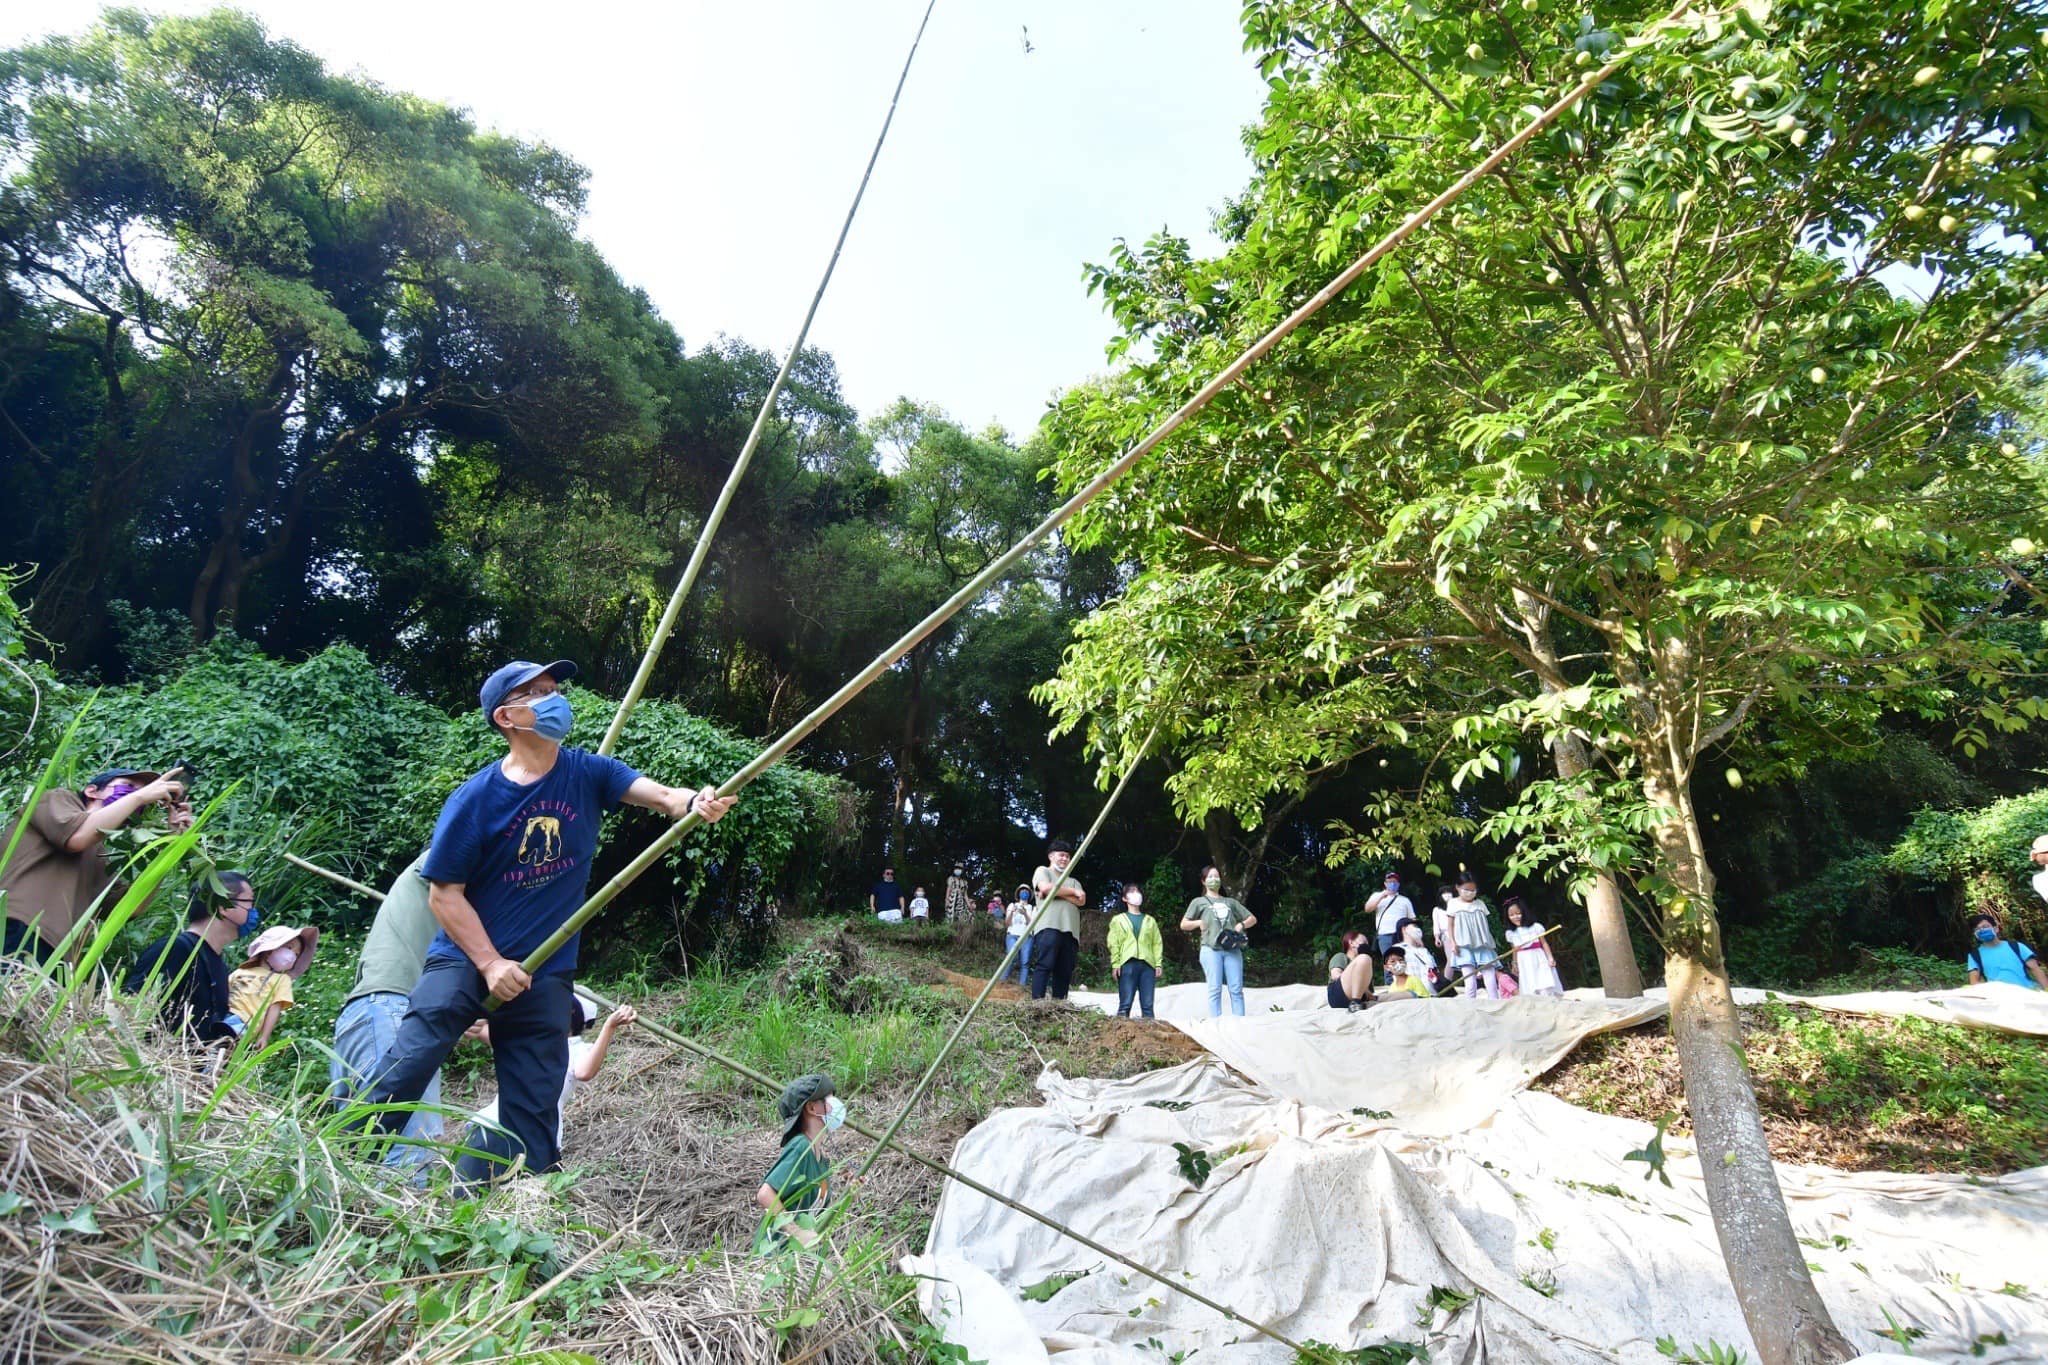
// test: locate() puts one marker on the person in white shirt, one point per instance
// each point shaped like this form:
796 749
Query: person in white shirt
585 1056
2040 856
1017 928
920 905
1389 907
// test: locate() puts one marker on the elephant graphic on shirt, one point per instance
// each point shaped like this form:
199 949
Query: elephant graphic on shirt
542 840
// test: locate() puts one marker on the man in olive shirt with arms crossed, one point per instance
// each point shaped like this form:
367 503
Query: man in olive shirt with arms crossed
1056 946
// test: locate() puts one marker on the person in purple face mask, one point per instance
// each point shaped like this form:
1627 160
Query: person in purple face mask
60 865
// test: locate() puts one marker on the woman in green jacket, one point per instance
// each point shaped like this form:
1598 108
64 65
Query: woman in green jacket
1135 952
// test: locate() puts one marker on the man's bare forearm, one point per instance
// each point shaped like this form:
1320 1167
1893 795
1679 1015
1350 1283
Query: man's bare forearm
455 915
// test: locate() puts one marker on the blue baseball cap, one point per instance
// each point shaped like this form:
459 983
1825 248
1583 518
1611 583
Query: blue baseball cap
518 674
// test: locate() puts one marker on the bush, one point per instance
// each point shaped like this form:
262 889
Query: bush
337 767
1956 862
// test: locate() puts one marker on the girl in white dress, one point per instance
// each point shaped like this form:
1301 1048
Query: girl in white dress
1535 964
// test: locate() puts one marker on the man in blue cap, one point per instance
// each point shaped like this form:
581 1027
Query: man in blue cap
509 863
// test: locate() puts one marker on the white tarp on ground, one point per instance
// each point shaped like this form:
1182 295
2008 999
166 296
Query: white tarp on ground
1994 1005
1338 1229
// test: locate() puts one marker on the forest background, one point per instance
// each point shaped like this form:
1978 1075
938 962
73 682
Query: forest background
314 407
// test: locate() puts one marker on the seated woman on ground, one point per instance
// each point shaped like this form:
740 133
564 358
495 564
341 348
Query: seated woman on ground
1351 973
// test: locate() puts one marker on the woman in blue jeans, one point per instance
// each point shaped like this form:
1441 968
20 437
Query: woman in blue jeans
1135 953
1215 915
1017 928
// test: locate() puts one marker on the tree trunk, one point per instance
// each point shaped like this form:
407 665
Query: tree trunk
1786 1317
1620 977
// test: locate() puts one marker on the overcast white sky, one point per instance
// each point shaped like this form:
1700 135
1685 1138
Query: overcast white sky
724 141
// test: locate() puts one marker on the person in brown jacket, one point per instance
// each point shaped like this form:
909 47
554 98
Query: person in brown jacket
60 864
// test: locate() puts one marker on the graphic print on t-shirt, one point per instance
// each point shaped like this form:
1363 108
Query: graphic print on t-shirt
542 855
548 846
522 852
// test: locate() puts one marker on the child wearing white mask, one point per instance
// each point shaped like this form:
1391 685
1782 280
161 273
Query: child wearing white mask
260 990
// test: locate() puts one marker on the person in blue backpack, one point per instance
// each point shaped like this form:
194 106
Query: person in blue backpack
1995 958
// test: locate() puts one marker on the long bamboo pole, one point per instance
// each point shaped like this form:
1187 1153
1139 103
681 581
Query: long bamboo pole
771 1086
702 550
1060 878
1000 567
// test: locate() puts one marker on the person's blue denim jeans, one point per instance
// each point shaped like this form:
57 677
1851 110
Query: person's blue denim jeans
1220 969
363 1032
1387 941
1135 979
1023 955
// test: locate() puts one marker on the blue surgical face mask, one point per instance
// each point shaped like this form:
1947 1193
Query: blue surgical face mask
551 717
1986 934
248 926
835 1112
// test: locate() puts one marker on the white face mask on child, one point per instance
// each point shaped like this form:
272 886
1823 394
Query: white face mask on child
281 959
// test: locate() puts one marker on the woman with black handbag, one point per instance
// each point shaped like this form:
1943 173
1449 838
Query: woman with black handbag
1221 920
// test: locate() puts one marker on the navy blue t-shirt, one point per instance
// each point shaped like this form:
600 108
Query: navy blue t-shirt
522 854
888 896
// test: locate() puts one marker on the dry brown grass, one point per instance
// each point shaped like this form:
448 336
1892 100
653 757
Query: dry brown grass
222 1227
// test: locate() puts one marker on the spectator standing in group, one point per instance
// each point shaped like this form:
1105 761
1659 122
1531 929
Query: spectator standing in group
920 905
260 990
1221 920
885 896
959 905
1535 962
1056 946
1350 985
586 1058
1135 952
188 967
508 865
1440 924
1017 929
800 1182
1422 963
394 954
1993 957
2040 857
1388 907
1471 949
997 907
60 866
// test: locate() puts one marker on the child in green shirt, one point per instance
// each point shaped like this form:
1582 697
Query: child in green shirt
798 1183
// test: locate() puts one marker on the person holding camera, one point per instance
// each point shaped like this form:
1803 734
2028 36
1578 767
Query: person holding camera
60 864
1221 920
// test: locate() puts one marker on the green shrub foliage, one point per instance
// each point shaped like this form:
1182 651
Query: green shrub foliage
335 765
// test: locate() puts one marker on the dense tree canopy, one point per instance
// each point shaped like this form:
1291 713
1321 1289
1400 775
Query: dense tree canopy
1701 410
287 352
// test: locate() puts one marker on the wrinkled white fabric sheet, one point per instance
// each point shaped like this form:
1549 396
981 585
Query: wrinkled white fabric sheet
1994 1005
1435 1065
1337 1228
